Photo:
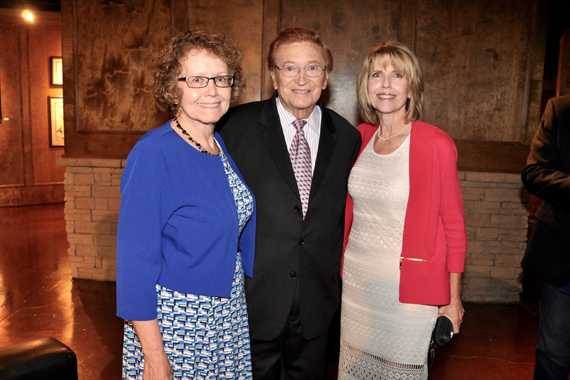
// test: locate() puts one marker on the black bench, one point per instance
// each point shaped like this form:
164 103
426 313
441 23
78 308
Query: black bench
38 359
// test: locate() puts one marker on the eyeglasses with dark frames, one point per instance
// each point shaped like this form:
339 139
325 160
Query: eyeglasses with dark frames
222 81
290 70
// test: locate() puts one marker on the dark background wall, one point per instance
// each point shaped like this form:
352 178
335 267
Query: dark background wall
28 174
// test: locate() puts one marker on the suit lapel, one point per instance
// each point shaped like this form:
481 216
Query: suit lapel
274 141
327 143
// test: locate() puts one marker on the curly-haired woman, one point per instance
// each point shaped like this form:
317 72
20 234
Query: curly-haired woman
186 226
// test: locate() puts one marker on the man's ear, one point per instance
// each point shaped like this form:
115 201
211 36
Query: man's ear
274 74
326 81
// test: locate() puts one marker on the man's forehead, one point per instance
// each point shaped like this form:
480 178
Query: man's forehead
300 52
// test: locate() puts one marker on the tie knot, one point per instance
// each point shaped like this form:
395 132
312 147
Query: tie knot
299 124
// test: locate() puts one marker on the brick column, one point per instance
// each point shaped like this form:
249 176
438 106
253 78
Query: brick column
92 200
496 216
496 212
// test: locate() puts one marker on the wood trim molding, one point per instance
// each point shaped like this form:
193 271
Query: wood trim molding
272 12
31 195
491 156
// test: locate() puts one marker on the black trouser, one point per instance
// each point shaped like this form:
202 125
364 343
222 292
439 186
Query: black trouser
553 349
290 356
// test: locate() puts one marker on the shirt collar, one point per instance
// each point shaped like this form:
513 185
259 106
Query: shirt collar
287 118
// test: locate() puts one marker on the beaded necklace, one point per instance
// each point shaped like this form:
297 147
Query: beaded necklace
394 135
200 147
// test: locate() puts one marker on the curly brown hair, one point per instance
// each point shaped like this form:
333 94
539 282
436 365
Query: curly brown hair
169 67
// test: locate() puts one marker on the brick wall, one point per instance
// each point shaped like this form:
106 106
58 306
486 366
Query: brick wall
92 200
496 211
496 216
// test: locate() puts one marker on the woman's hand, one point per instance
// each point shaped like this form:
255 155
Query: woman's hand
157 367
156 364
454 310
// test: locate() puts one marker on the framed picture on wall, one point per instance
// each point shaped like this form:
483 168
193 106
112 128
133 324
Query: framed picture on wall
56 132
56 71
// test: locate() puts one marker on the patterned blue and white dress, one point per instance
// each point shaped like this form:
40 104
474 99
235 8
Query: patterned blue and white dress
204 337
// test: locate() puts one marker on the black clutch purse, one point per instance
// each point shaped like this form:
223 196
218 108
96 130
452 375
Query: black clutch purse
441 335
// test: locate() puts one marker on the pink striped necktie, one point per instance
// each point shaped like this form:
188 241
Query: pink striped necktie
301 159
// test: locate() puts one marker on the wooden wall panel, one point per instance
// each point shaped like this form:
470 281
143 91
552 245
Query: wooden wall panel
114 43
12 158
271 28
349 29
475 57
44 42
482 61
31 195
243 22
107 69
28 172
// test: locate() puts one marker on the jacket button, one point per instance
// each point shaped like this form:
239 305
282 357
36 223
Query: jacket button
293 274
301 242
297 209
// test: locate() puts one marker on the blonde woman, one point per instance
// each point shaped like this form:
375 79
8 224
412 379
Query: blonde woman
404 225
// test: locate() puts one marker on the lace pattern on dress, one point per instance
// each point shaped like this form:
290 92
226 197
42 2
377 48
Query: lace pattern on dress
381 338
357 364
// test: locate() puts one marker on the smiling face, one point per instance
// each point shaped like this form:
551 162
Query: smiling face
299 94
388 91
203 106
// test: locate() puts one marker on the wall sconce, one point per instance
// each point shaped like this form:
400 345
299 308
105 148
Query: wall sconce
28 16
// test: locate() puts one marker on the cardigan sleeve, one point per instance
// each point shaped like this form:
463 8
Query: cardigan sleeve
144 191
452 213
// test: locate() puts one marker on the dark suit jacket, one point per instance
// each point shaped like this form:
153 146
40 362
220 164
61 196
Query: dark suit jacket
547 175
291 251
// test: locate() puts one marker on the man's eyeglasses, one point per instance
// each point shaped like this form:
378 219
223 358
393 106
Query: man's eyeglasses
199 82
291 70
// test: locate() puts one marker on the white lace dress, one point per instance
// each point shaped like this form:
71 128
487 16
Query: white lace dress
381 338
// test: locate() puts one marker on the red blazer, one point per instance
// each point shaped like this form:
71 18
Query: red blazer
435 239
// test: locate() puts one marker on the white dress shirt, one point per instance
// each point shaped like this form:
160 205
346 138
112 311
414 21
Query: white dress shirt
312 129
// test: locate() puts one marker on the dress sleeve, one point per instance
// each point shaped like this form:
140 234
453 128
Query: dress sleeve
452 213
145 195
542 176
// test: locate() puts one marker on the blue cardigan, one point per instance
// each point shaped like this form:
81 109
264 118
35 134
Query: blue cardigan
178 224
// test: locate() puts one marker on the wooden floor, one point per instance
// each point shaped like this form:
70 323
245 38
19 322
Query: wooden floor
39 298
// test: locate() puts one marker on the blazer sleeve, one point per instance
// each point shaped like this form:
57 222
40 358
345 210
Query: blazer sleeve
542 175
452 212
144 193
